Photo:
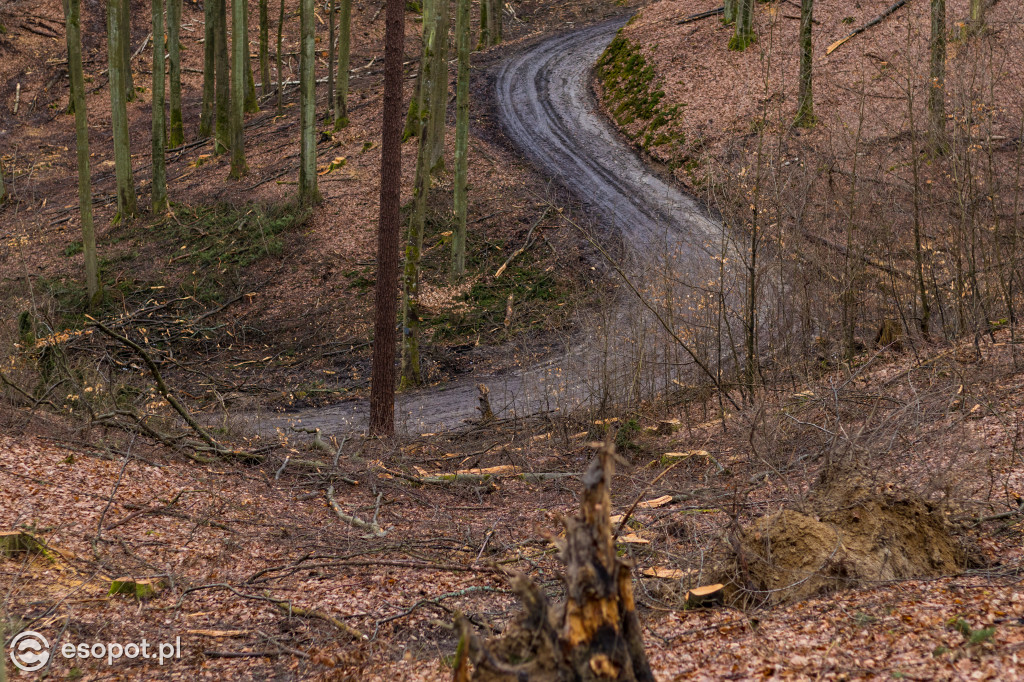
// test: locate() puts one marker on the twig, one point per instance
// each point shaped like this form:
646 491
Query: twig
373 528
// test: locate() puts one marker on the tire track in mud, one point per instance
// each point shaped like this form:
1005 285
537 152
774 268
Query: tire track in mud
546 107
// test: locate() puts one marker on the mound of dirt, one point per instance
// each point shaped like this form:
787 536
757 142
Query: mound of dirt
847 536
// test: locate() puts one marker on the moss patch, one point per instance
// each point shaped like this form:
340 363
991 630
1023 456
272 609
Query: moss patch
635 96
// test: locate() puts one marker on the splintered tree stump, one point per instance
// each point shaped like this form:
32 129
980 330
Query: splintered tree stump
595 634
486 413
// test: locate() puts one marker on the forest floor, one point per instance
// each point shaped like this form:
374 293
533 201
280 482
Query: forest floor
247 551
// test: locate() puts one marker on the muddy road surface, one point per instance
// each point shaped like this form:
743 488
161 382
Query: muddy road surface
547 109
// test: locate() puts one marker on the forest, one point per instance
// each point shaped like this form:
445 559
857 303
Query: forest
511 340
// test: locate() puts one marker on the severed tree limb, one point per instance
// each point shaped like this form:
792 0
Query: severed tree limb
165 391
292 610
874 22
527 243
702 15
373 528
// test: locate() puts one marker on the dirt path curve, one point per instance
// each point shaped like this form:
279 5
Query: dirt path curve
547 108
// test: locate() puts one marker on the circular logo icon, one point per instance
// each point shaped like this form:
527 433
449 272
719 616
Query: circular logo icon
30 651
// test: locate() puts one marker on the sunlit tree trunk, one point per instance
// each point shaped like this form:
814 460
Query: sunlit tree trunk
265 48
223 132
462 30
252 104
159 128
239 49
177 134
209 67
280 61
127 205
937 141
344 62
805 112
72 16
308 192
744 34
382 388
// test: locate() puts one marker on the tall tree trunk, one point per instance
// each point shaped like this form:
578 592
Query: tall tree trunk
125 18
223 132
265 48
159 184
127 204
3 187
977 23
177 137
420 104
497 15
492 19
332 10
485 39
280 61
744 34
252 104
72 18
239 50
382 388
209 67
805 113
729 11
462 30
308 192
937 92
344 62
439 85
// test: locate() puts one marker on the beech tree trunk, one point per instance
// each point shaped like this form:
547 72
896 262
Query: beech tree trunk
209 67
158 187
125 24
332 9
462 28
265 48
744 34
223 132
3 185
344 62
72 18
597 635
439 85
308 192
729 11
496 18
127 204
805 112
485 38
937 92
382 388
977 16
252 104
177 134
239 50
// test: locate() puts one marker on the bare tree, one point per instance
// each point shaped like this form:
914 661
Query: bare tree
72 18
239 48
127 204
937 141
382 389
264 48
805 113
308 192
223 125
158 186
177 134
462 28
209 68
744 34
344 60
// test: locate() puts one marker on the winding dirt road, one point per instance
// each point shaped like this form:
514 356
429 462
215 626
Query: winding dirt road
547 108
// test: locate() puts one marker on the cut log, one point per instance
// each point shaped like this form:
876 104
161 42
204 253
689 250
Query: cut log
655 503
596 634
704 596
664 573
17 542
140 589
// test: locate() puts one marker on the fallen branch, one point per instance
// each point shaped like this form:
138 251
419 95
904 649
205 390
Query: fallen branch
527 244
701 15
292 610
373 528
874 22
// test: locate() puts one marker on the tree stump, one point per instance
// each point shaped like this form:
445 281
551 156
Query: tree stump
595 635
